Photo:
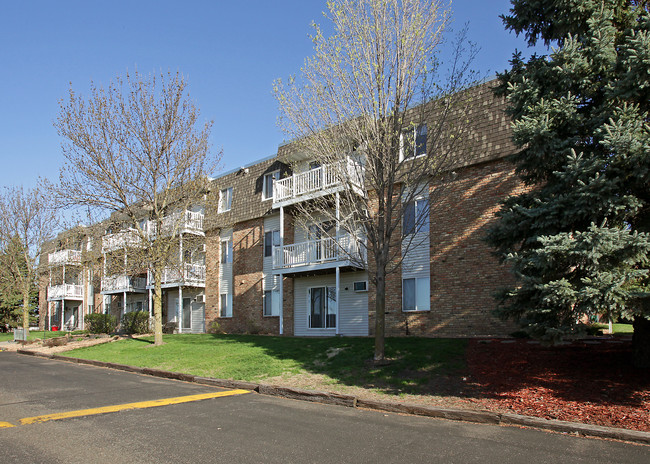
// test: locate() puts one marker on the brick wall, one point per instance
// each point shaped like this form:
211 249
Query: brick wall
211 278
464 273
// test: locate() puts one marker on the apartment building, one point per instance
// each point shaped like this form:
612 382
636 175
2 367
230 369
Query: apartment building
257 266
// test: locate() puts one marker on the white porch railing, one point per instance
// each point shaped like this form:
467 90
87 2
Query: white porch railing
192 274
59 258
318 179
123 283
318 252
122 239
56 292
187 221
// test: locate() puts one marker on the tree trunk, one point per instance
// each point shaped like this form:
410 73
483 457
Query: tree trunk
157 310
641 342
26 309
380 315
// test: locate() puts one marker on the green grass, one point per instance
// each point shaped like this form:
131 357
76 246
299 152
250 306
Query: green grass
414 362
34 334
619 328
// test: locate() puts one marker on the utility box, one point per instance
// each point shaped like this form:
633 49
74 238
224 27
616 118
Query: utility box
20 334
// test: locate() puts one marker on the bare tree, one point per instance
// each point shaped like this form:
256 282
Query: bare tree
137 150
371 109
27 221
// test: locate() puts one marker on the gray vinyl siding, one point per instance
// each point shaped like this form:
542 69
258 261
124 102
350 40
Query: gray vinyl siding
198 317
353 307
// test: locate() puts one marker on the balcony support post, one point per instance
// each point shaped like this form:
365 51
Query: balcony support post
338 287
281 309
180 309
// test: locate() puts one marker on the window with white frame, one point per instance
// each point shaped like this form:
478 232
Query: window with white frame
271 239
413 142
226 305
226 251
415 294
225 199
271 303
416 216
267 187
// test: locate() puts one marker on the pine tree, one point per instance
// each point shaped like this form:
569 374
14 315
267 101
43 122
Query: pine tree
578 240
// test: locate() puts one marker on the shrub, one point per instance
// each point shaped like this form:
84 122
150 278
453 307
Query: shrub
136 322
101 323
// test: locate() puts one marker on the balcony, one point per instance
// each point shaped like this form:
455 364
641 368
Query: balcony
63 257
123 239
316 182
324 253
185 222
65 291
123 283
193 275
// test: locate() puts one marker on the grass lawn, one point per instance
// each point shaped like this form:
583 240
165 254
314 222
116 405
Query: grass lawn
619 328
34 334
415 362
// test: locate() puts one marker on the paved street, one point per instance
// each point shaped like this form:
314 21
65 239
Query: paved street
243 428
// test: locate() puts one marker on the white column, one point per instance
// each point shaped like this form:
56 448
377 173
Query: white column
281 321
123 309
150 303
49 315
338 287
180 309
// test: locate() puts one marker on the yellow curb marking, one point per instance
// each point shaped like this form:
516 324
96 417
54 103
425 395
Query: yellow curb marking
128 406
5 425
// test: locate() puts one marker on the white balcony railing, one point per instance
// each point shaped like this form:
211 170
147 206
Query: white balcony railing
57 292
316 252
59 258
187 221
123 283
319 179
192 274
122 239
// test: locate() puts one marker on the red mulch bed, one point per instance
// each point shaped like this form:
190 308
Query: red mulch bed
578 382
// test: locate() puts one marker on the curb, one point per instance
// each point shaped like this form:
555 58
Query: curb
464 415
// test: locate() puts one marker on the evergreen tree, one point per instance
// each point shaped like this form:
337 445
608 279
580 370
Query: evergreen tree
578 240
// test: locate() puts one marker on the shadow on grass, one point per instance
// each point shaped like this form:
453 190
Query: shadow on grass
416 365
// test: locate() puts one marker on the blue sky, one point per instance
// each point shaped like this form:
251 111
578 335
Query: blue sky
230 53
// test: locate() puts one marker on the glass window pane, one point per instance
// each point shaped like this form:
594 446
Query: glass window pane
408 295
268 245
268 303
409 218
423 215
421 140
275 305
422 298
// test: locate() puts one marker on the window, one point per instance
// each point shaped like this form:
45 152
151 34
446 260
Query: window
413 142
416 216
361 286
267 188
415 294
314 165
225 199
226 305
271 303
271 239
226 251
322 308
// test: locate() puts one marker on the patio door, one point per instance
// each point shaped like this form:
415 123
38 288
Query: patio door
322 308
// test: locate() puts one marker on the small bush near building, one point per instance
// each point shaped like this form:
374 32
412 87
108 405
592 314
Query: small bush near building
136 322
100 323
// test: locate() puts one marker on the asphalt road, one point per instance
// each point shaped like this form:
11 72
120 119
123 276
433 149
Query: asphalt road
245 428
